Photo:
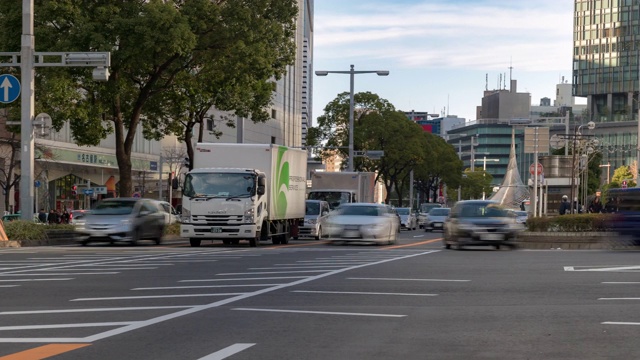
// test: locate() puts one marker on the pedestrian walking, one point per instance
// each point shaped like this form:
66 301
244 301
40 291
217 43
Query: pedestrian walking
596 205
565 206
64 219
53 217
42 216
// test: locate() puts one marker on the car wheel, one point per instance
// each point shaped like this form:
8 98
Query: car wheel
319 233
195 242
158 238
254 242
393 238
136 236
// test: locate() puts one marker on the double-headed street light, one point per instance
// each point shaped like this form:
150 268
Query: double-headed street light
352 74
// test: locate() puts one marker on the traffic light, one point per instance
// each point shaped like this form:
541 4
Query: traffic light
74 190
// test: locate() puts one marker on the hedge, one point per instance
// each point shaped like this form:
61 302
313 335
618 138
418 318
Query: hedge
571 223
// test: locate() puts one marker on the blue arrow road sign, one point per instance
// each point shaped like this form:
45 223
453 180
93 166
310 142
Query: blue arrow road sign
9 88
88 191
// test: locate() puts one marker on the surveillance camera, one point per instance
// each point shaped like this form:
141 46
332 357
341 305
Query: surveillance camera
88 59
100 74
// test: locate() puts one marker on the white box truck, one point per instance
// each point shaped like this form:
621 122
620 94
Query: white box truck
236 192
342 187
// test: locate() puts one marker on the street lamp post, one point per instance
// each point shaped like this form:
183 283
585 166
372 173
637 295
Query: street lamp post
608 166
352 74
484 168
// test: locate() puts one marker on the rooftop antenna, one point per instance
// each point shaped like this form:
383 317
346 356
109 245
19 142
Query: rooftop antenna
510 69
486 82
505 81
447 113
499 81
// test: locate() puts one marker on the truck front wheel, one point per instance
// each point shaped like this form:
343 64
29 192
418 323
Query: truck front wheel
254 242
195 242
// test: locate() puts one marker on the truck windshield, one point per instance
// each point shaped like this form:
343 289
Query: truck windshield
219 185
334 198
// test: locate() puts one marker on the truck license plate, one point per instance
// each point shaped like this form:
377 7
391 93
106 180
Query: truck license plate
216 229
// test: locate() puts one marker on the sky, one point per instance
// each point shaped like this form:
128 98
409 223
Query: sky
441 54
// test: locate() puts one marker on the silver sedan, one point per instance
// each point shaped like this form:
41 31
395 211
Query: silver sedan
362 222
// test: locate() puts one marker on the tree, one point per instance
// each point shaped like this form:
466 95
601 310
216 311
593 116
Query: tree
157 49
474 183
620 174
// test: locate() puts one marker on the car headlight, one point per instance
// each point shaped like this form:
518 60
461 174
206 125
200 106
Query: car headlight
185 217
248 216
311 221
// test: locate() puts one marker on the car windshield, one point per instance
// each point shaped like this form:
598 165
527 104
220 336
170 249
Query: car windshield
334 198
219 185
482 210
114 207
312 208
425 208
358 210
439 212
403 211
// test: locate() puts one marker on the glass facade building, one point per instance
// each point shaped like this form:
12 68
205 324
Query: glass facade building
606 61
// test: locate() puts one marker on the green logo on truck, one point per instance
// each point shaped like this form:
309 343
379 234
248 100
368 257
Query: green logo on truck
281 183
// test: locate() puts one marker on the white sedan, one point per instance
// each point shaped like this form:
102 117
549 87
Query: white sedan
362 222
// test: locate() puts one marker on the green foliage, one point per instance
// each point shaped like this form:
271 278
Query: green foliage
25 230
570 223
620 174
474 183
173 229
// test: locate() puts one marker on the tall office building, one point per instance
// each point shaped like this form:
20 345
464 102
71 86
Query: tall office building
606 57
606 49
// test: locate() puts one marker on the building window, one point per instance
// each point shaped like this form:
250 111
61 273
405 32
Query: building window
273 139
210 124
273 113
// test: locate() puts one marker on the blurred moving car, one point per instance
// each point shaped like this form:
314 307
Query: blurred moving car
436 218
122 219
521 216
171 216
316 211
362 222
407 218
424 211
480 222
77 217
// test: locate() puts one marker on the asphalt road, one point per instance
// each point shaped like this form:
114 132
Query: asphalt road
310 300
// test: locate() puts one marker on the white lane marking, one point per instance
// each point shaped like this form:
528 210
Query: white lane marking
119 269
21 280
610 268
222 302
619 323
274 272
417 236
226 352
621 282
619 298
61 274
8 286
142 263
359 293
137 308
203 287
299 267
154 297
401 279
329 261
257 278
64 326
319 312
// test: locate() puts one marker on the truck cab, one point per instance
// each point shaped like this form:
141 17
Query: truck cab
334 197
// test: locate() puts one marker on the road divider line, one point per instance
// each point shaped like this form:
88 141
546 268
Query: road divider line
630 298
65 326
137 308
202 287
318 312
413 244
359 293
155 297
226 352
400 279
276 247
251 278
619 323
621 282
43 352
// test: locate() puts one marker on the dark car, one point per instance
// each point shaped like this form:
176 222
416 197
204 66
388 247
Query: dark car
480 222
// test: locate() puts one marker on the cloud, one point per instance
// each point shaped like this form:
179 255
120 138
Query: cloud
462 34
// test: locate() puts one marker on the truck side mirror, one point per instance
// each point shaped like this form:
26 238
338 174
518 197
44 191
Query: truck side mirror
262 183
